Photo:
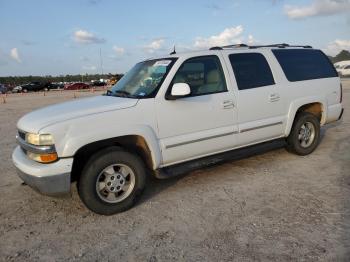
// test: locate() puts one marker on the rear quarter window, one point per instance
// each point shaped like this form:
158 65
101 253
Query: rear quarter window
304 64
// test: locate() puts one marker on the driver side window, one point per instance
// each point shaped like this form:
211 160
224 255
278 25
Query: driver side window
203 74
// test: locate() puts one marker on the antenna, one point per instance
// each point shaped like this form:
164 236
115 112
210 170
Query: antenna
173 52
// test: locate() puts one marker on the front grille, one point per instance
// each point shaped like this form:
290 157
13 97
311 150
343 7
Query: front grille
22 134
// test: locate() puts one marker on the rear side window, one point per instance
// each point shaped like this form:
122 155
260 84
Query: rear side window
304 64
251 70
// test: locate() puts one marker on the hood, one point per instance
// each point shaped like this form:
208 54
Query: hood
46 116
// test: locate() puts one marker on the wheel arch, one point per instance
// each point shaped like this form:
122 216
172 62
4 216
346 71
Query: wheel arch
314 106
132 143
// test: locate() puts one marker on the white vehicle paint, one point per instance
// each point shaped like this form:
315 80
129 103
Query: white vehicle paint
173 130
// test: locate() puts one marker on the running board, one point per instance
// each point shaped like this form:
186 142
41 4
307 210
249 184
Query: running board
237 154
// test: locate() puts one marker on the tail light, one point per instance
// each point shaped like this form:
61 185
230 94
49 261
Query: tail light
341 93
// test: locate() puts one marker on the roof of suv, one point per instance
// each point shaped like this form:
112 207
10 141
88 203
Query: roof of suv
237 47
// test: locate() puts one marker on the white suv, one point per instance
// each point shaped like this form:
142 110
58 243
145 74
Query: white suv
166 111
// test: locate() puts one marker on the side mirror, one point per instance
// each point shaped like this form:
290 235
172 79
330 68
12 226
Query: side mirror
180 90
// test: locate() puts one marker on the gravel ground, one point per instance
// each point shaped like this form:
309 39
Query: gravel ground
273 206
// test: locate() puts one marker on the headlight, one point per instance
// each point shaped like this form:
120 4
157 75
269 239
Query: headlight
39 139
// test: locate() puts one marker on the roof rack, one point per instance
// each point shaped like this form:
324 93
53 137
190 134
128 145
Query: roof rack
228 46
280 46
258 46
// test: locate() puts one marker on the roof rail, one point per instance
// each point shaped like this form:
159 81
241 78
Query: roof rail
283 45
228 46
280 46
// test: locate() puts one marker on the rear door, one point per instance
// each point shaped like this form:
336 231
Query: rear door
261 113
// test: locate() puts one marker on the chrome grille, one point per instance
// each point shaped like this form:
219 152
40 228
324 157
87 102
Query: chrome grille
22 134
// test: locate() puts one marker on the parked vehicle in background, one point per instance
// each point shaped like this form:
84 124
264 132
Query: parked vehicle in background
34 87
168 112
98 83
55 86
3 89
112 81
17 89
344 71
76 86
343 68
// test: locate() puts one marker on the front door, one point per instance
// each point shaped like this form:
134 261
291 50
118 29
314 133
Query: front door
202 123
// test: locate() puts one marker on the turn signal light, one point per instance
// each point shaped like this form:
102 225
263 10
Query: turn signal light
43 158
48 158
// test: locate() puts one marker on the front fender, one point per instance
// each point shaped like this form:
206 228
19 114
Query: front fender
72 135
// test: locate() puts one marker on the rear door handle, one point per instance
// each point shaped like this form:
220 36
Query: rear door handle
227 104
274 97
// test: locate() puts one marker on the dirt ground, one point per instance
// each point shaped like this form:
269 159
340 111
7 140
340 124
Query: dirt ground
273 206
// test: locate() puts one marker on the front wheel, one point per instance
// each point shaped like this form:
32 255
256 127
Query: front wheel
305 134
112 181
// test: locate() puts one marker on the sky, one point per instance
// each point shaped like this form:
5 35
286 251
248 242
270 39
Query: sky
58 37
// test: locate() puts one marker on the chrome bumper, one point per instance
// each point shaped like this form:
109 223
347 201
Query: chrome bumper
50 185
48 179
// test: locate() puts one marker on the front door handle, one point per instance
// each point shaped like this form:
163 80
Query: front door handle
274 97
227 104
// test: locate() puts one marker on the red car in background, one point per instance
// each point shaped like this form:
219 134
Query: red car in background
76 86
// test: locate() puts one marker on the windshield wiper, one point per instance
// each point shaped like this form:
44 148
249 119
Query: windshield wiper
121 93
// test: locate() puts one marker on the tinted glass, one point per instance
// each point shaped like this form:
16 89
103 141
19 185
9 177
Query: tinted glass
204 75
304 64
251 70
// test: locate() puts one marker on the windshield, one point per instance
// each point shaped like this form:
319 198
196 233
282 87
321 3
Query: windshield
143 80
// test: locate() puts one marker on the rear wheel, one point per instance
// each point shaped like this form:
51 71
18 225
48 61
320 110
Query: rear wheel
304 136
112 181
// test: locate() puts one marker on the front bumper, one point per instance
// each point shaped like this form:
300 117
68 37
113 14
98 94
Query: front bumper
48 179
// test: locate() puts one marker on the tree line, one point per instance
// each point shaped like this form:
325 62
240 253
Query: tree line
19 80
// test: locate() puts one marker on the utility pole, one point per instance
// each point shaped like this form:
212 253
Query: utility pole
101 61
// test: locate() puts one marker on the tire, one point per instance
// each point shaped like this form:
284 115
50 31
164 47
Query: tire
111 167
297 141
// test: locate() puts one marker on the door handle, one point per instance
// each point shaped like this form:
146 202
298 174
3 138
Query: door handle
274 97
227 104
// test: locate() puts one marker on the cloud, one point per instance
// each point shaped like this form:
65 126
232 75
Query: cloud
251 40
229 36
84 59
118 50
155 45
90 67
85 37
15 55
336 46
317 8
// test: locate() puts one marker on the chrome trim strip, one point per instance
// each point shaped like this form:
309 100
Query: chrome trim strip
200 139
35 149
263 126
